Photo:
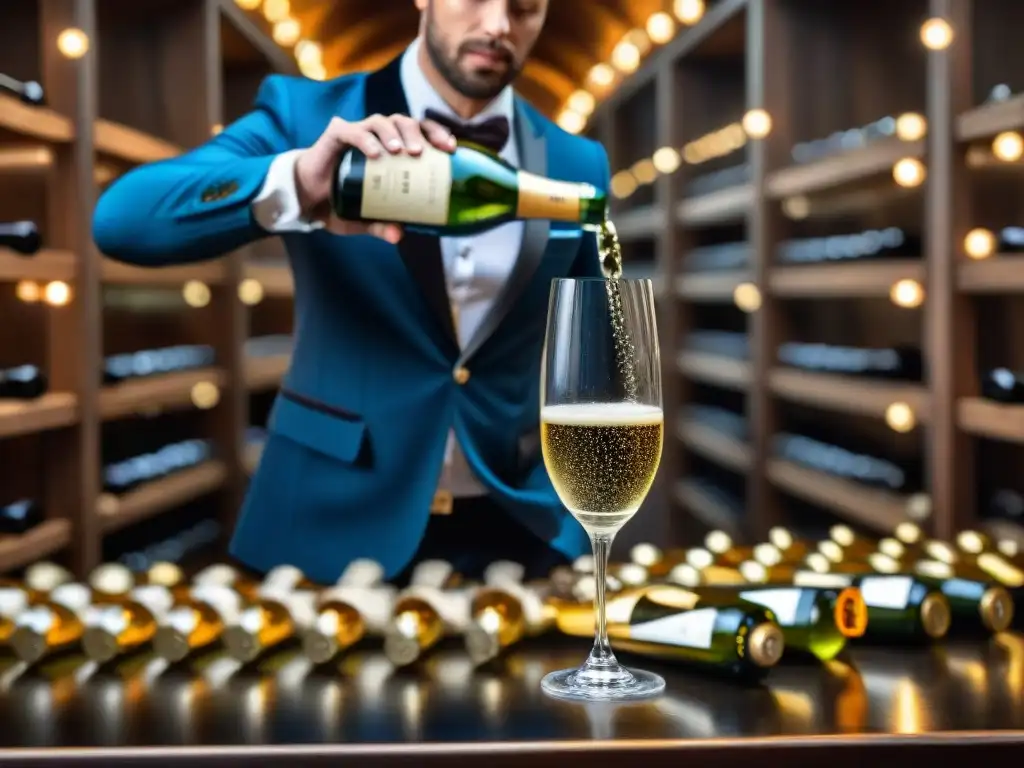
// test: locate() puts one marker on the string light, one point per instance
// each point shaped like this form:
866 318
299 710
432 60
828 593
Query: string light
666 160
979 243
747 297
909 172
57 293
900 417
250 291
216 129
601 75
1008 146
571 121
205 395
911 126
907 293
660 27
73 43
276 10
626 56
644 171
715 144
757 123
248 5
287 32
622 184
688 11
936 34
28 292
582 102
196 293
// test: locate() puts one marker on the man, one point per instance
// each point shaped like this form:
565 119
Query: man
406 427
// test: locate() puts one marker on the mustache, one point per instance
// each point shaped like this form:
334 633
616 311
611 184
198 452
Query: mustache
492 47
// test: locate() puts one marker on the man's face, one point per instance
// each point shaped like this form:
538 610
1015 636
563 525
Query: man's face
480 46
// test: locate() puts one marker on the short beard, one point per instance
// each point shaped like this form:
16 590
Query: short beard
463 84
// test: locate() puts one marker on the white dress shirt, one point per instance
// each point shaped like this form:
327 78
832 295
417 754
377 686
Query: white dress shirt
476 267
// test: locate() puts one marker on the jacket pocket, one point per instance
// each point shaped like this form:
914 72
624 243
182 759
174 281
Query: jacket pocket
319 426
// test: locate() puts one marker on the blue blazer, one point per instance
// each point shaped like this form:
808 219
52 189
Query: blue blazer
358 430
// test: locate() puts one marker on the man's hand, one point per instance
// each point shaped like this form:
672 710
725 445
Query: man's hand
373 136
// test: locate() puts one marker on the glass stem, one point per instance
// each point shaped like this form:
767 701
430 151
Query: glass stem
601 655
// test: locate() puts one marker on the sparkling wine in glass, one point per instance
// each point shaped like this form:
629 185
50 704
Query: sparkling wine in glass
602 430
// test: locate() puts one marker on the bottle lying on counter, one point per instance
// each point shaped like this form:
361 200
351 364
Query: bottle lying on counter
345 615
462 193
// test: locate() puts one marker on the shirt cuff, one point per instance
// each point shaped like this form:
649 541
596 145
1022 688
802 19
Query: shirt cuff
276 208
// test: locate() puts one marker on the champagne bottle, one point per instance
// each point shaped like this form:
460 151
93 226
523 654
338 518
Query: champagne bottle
153 362
122 476
870 244
20 516
462 193
196 621
840 462
21 237
972 601
501 616
844 140
24 382
277 616
1003 386
54 625
29 91
899 363
422 616
345 614
223 575
672 623
116 626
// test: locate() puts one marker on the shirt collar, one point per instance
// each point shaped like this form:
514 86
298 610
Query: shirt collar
421 96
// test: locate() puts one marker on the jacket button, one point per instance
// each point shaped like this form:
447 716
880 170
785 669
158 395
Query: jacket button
461 375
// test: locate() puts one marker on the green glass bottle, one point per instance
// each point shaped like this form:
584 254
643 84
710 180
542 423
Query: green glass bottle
975 601
459 193
673 624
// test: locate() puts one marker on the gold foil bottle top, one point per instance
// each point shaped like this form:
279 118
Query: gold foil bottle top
765 645
935 615
996 609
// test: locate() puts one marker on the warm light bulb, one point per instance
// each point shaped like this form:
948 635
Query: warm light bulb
248 5
644 171
796 208
57 293
900 417
907 293
250 291
307 52
626 57
1008 146
314 70
909 172
911 126
276 10
287 32
571 121
196 293
936 34
688 11
28 292
622 184
660 27
979 243
601 75
666 160
747 297
582 102
919 506
639 39
73 43
205 395
757 123
216 129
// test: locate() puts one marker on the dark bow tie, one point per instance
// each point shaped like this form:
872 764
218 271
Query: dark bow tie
491 133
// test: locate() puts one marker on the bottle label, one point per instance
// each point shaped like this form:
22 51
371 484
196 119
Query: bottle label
542 198
886 591
851 613
782 602
690 629
413 190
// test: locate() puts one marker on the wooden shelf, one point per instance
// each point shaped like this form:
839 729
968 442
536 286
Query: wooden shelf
724 372
847 394
265 372
46 265
131 145
156 393
989 119
42 541
159 496
854 165
710 286
53 264
640 223
38 123
51 411
876 509
985 418
209 272
714 445
706 508
718 207
850 280
277 281
998 274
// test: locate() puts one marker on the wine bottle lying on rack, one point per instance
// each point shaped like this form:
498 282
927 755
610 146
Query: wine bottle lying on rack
869 244
844 141
20 516
269 346
899 363
724 343
152 362
718 419
717 258
714 181
668 622
123 476
837 461
462 193
29 91
1003 386
21 237
23 382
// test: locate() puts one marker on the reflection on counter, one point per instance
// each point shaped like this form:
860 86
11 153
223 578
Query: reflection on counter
364 698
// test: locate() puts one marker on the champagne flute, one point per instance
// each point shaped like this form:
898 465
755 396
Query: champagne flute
602 430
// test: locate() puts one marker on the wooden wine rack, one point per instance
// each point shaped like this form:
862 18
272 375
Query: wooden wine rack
187 54
689 76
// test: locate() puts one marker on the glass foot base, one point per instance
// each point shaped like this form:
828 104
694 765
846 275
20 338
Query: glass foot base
594 684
